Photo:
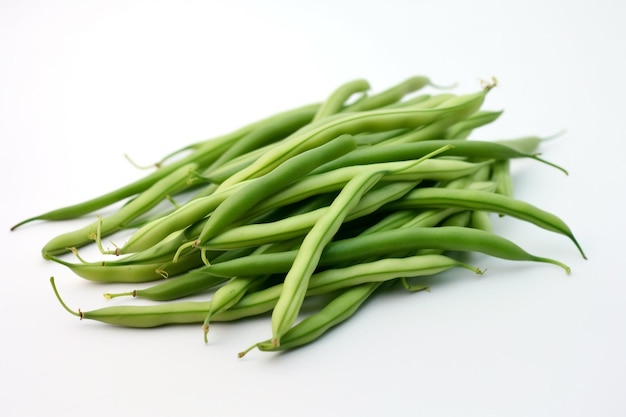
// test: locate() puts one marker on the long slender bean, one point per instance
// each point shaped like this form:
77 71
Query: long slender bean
311 328
332 180
488 201
133 272
248 196
380 244
269 132
116 221
296 280
203 153
354 123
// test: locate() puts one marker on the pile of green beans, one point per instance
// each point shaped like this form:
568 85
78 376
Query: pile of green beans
334 201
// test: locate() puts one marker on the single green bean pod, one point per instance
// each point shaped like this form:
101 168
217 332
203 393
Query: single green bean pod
487 201
313 327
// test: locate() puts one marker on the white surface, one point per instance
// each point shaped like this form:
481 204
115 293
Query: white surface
83 82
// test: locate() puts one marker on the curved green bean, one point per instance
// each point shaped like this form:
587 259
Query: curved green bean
296 280
488 201
382 270
116 221
406 151
336 101
463 128
380 244
311 328
389 96
203 153
252 193
354 123
190 283
268 133
132 272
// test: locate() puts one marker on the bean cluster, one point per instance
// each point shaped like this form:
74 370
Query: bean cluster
337 200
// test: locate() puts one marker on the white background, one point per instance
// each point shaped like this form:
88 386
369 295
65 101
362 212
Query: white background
83 82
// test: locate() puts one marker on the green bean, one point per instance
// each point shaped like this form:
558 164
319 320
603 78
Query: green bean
381 243
229 294
192 282
480 220
268 133
162 251
253 304
200 156
220 174
488 201
188 214
185 312
354 123
370 139
265 300
182 312
409 102
299 225
203 153
430 131
463 128
459 219
311 328
501 175
251 194
132 272
431 102
142 316
243 195
382 270
116 221
390 96
423 132
296 280
332 180
338 98
393 220
406 151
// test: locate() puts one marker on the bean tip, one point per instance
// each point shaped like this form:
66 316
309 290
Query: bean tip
245 351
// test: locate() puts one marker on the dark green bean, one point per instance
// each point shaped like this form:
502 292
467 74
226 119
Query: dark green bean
116 221
192 282
488 201
379 244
